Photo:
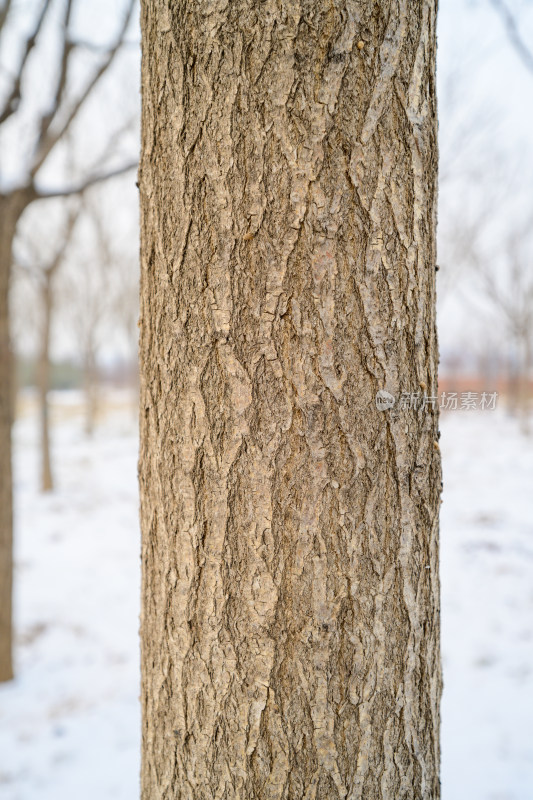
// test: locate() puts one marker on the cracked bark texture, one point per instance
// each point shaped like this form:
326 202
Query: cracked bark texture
290 619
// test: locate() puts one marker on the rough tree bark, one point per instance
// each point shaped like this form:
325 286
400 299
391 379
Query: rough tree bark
290 622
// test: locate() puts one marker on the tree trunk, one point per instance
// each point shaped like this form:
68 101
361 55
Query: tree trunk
90 383
43 379
513 379
11 208
524 383
290 606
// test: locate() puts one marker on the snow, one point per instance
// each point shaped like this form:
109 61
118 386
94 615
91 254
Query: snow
487 608
69 723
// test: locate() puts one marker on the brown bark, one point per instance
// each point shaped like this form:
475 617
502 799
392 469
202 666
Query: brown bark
11 208
290 602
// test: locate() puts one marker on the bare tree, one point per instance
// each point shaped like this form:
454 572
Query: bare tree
87 292
290 611
514 302
68 98
511 297
502 295
45 275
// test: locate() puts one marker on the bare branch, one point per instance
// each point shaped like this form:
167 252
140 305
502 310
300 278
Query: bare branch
70 224
66 49
49 141
68 191
83 44
511 26
115 139
13 100
32 263
4 11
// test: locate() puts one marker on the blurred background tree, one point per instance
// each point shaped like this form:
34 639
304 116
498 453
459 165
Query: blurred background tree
52 87
44 271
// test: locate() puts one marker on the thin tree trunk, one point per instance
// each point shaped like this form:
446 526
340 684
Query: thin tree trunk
513 380
524 385
90 382
290 602
6 483
43 380
11 208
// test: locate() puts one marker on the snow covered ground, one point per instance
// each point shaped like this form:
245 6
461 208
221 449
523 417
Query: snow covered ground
487 608
69 723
